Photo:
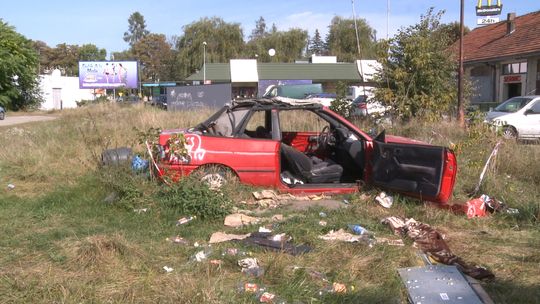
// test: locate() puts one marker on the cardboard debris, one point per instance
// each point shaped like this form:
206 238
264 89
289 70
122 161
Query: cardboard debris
239 220
343 236
219 237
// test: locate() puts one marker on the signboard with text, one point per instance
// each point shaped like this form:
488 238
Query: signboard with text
108 74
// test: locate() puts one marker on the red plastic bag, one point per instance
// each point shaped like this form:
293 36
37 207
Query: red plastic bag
476 208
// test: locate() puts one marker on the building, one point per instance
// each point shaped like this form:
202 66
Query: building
503 59
61 92
250 78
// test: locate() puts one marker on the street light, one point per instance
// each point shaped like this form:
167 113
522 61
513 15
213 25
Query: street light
204 62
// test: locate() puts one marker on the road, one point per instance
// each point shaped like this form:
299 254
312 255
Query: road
15 120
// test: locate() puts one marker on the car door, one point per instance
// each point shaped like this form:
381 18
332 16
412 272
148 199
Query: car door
423 171
531 121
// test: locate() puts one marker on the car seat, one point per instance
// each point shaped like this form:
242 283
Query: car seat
311 170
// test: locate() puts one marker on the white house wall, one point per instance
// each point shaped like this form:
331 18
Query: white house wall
69 91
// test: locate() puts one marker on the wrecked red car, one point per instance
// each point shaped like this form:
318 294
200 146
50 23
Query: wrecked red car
302 147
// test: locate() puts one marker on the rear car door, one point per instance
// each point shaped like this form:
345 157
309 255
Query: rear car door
423 171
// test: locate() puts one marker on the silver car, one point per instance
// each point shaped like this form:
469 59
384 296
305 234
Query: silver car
2 113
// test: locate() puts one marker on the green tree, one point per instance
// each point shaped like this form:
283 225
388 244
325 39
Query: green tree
289 45
137 29
18 70
317 45
90 52
341 39
155 54
224 41
417 78
260 29
450 32
65 57
44 53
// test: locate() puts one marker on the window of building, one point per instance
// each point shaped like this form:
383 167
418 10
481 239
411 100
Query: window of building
515 68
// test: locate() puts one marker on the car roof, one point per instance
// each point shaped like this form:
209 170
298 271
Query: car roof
278 103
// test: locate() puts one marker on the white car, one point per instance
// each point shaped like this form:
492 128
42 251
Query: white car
518 117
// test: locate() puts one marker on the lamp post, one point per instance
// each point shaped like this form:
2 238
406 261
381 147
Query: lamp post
204 62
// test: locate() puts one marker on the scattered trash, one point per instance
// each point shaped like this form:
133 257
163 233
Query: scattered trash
216 262
178 240
384 200
250 266
437 284
396 242
239 220
185 220
11 186
477 207
141 210
334 288
235 252
346 202
343 236
267 297
431 242
323 223
139 164
268 241
357 229
167 269
201 255
219 237
322 214
196 244
250 288
264 230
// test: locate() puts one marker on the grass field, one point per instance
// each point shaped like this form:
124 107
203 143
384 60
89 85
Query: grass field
62 243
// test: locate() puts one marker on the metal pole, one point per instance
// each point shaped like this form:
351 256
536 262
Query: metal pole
387 19
204 62
460 112
359 50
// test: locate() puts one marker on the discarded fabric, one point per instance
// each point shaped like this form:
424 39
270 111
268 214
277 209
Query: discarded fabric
219 237
430 241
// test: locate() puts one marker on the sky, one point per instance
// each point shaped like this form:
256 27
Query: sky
103 23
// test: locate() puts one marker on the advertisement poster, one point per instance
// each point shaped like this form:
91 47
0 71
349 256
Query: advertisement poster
108 74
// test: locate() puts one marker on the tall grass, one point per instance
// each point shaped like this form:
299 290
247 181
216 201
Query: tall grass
63 243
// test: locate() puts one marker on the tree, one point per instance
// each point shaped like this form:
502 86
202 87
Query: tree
341 39
65 57
155 54
289 45
224 41
137 29
90 52
450 32
317 45
18 70
417 78
260 29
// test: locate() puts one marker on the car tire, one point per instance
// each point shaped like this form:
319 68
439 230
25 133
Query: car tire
215 176
115 157
2 115
509 132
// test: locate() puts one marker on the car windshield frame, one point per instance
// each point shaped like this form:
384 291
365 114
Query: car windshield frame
513 104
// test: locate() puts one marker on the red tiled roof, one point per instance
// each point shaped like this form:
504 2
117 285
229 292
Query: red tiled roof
491 42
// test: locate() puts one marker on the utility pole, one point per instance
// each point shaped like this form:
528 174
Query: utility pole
359 50
460 112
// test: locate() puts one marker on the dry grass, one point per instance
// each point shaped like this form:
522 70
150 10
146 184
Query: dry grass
63 244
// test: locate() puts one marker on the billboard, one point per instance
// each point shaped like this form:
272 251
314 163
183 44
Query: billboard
194 97
108 74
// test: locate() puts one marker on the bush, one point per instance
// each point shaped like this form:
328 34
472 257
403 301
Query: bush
192 197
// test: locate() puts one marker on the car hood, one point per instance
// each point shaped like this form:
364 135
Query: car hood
494 114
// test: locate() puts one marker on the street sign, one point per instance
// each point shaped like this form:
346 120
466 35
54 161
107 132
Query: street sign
487 20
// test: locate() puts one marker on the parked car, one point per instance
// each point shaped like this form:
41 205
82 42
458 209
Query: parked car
303 148
518 117
2 113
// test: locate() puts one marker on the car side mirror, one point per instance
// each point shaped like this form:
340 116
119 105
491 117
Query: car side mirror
528 111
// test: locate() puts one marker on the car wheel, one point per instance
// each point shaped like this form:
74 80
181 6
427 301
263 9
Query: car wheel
215 176
2 115
509 132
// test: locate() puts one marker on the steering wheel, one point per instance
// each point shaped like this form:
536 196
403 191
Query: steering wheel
324 138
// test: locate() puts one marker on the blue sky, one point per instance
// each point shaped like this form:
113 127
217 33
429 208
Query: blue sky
104 22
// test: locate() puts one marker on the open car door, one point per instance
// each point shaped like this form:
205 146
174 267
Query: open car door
423 171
